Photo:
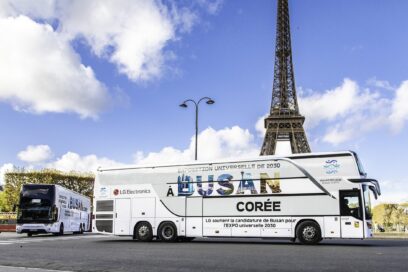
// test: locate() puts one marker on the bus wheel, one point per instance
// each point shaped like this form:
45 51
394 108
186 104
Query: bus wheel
309 233
81 230
143 232
61 230
168 232
29 234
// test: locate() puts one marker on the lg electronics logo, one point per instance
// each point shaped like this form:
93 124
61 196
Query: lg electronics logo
117 192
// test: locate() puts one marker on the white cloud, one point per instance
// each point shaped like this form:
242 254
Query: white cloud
347 111
37 9
40 72
400 107
329 105
132 34
393 191
232 143
4 169
382 84
74 162
35 154
260 126
212 6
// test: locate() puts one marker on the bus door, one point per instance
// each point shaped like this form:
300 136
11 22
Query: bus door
351 214
122 216
194 219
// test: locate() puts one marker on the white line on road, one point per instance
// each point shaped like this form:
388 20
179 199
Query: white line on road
48 239
21 269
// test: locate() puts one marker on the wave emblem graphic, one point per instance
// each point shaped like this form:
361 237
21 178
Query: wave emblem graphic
331 167
331 161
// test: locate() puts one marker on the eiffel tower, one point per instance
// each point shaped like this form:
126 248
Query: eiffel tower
284 122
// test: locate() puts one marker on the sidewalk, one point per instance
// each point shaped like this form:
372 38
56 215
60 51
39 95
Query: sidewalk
390 236
8 235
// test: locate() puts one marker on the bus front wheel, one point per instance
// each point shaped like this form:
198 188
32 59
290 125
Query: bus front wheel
309 233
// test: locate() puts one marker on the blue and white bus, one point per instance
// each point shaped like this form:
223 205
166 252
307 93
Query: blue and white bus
46 208
308 197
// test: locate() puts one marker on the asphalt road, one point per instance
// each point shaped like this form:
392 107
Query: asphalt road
106 253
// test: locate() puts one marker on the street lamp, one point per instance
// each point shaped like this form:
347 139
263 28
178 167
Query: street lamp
208 101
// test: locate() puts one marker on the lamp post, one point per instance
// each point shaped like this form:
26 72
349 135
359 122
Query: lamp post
209 101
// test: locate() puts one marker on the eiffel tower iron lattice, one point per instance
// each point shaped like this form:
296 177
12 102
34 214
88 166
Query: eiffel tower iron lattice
284 121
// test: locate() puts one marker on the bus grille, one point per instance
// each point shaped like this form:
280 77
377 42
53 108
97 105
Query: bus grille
104 225
104 206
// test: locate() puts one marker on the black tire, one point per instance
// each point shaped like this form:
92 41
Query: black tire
167 232
29 234
81 231
61 230
309 233
143 232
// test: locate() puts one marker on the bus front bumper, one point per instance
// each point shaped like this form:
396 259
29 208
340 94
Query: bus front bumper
36 228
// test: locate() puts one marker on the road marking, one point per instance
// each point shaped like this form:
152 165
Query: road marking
22 269
27 240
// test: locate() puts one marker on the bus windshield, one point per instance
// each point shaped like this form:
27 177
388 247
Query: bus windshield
367 202
36 202
359 165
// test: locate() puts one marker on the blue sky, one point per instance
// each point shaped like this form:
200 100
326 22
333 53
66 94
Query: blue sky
81 87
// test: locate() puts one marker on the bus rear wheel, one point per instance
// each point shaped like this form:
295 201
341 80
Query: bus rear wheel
167 232
143 232
80 230
309 233
61 230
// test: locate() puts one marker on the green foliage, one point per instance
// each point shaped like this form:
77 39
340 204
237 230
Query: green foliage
2 201
78 182
391 216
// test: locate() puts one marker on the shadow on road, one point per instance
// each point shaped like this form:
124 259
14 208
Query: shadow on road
337 243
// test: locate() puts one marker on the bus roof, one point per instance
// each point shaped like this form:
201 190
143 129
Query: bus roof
260 158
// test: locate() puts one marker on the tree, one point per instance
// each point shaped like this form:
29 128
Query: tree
2 201
78 182
397 218
389 210
379 216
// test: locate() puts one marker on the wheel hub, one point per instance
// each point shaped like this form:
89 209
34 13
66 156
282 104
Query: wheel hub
309 233
167 232
143 231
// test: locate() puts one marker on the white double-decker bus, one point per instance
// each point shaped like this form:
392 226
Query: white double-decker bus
48 208
309 197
